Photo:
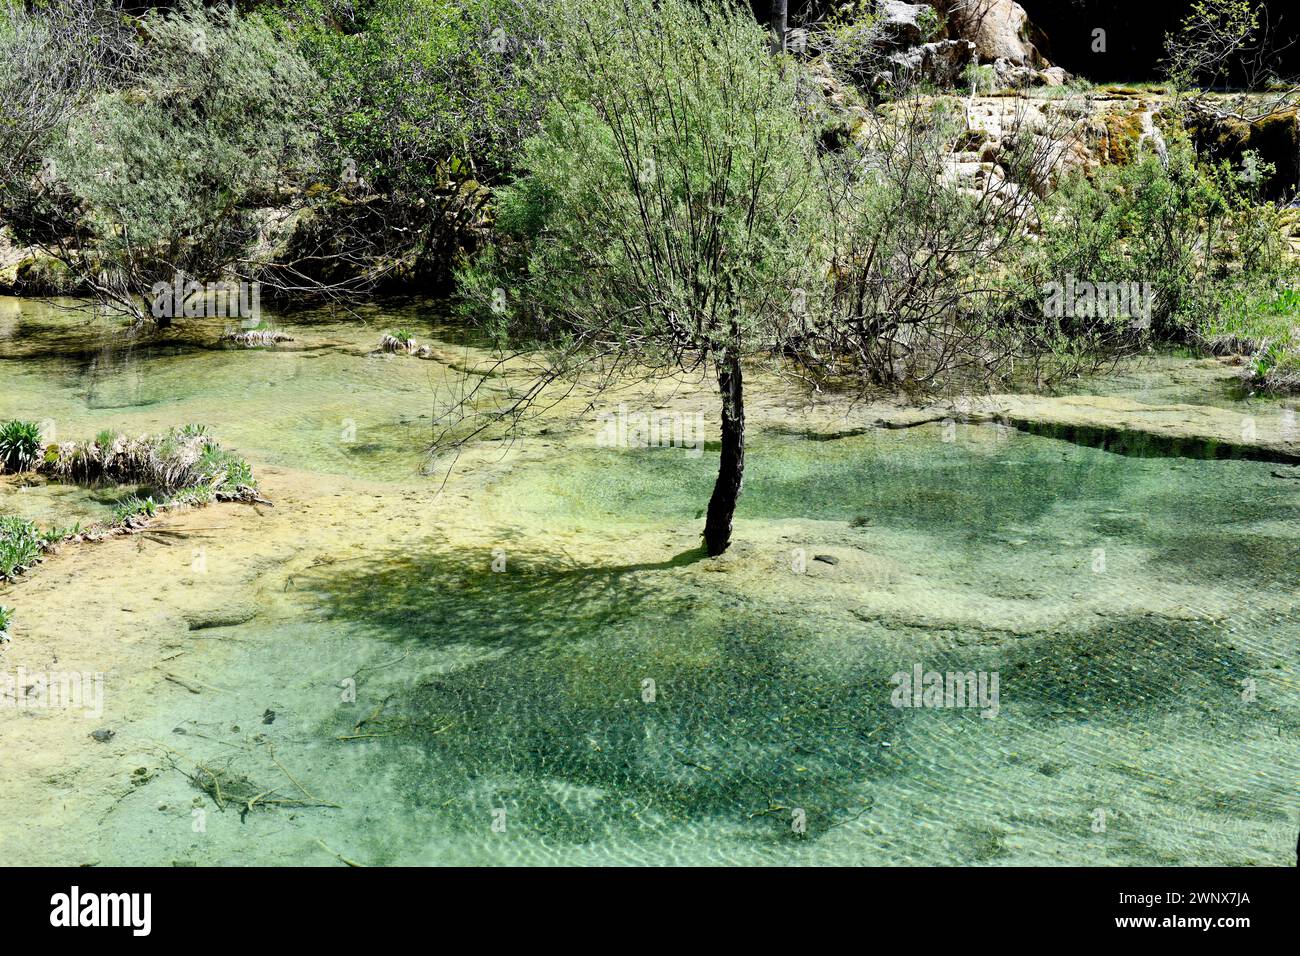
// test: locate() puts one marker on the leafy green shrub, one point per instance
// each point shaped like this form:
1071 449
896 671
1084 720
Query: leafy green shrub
1196 232
671 197
20 445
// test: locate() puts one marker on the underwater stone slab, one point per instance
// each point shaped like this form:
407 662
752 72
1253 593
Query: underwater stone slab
1135 428
1114 424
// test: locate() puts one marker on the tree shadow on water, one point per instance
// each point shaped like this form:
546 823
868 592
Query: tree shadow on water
502 600
628 701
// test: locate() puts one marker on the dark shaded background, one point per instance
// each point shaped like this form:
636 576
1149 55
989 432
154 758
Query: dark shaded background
1135 31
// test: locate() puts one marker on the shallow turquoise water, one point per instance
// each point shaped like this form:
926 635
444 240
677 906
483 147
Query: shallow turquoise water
611 698
769 703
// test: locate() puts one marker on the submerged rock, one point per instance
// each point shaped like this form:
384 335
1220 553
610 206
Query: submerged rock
219 617
1134 428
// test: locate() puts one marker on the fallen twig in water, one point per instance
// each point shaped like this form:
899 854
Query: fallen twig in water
337 855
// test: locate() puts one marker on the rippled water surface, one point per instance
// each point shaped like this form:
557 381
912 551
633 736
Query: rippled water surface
536 665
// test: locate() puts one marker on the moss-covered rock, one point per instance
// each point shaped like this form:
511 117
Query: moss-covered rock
1123 134
41 274
11 257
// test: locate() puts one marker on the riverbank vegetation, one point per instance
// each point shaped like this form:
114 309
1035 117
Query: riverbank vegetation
185 467
330 148
618 185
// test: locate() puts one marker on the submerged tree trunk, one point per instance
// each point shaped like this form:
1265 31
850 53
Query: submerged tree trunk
731 467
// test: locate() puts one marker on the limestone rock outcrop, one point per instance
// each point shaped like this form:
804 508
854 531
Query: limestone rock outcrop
1000 30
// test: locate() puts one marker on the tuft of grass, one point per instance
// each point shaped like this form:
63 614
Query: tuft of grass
1264 325
223 471
106 439
6 619
134 507
20 445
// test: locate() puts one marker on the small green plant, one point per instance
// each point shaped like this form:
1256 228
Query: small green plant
20 445
223 471
106 439
20 545
402 335
192 431
6 618
979 79
239 474
135 507
56 533
930 23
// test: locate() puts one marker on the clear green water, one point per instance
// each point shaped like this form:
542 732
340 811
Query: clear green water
320 400
1125 603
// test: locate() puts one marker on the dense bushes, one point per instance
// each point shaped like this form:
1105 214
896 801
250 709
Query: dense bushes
154 170
675 199
655 176
135 149
1195 232
424 103
417 91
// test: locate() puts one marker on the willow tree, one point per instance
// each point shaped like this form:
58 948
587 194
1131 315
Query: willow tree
665 215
